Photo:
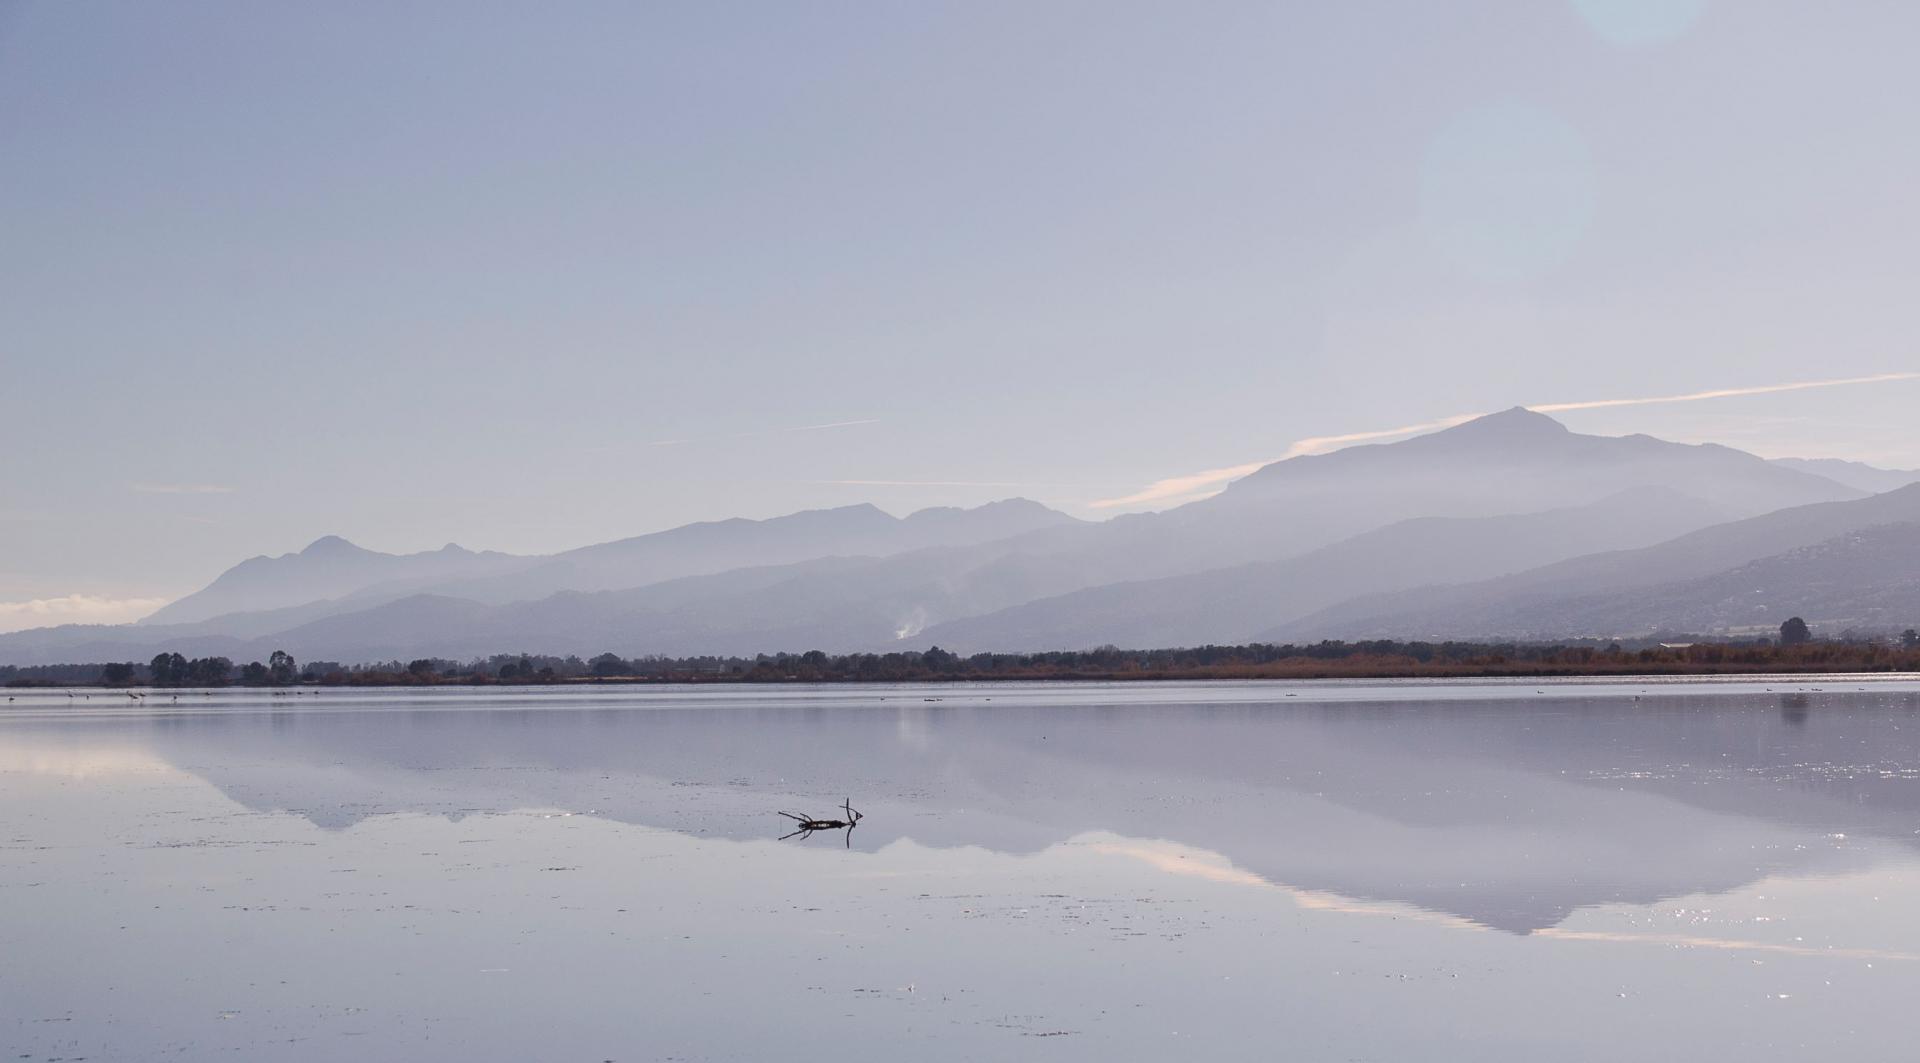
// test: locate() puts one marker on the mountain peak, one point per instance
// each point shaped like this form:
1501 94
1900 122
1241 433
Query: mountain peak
1517 421
329 544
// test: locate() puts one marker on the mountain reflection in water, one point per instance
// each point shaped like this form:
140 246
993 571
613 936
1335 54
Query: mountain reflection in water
1508 811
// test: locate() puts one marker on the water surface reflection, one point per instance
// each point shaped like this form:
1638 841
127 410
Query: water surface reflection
1290 839
1507 813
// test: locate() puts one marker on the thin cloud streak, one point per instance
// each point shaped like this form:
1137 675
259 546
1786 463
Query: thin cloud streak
1322 444
1178 486
1181 487
1724 393
182 489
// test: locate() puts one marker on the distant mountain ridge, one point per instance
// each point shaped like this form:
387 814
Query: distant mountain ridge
1505 464
1478 468
1294 542
1867 579
1856 474
1232 604
1558 600
717 546
328 568
333 575
1864 580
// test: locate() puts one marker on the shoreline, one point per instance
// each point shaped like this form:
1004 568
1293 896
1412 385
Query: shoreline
1382 659
1118 677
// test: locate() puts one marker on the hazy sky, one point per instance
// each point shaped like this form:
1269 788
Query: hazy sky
528 276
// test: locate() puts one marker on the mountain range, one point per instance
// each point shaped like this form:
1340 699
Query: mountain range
1508 525
1845 564
1854 473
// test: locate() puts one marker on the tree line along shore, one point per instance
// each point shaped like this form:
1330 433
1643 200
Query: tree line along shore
1380 659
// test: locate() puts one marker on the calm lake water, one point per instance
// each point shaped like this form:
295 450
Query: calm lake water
1312 871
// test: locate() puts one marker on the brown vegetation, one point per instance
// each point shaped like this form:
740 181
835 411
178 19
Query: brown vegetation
1325 660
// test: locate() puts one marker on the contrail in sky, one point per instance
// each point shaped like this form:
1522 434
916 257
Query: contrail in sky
1179 487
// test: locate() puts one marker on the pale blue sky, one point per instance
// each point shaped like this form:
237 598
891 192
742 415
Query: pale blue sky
529 276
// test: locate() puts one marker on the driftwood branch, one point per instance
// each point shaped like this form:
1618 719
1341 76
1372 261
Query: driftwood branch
808 824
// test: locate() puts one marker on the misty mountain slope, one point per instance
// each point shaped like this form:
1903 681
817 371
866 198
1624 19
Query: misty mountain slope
716 546
1509 605
1516 461
408 628
334 576
232 635
262 622
93 643
1868 579
1855 474
835 604
846 604
330 567
1231 604
1511 463
413 626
